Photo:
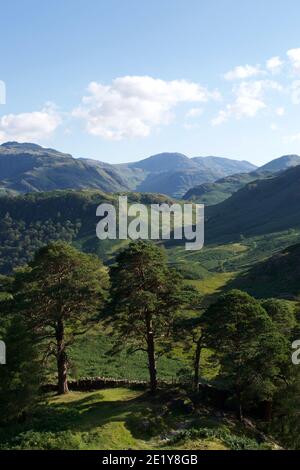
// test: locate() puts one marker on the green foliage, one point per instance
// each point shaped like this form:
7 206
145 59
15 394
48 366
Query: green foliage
90 355
21 376
120 419
146 297
285 425
64 440
277 276
20 241
232 441
282 314
251 351
60 294
29 222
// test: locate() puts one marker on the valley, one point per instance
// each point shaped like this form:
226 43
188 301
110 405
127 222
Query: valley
251 243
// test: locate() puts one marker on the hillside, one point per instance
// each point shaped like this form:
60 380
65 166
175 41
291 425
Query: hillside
30 168
263 206
30 221
277 276
281 163
174 174
214 193
123 418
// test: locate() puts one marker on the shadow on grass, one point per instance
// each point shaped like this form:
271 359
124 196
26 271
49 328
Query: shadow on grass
88 413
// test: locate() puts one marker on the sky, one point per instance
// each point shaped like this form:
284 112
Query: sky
120 80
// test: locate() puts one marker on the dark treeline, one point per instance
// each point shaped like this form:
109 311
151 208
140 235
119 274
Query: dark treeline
62 293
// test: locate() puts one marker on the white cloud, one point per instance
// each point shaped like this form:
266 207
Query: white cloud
294 56
274 127
295 92
280 111
194 112
131 106
34 126
249 100
274 64
292 138
241 72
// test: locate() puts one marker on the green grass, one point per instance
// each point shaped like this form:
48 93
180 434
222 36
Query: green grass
214 285
115 419
91 356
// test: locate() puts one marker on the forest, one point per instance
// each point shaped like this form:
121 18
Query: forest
233 383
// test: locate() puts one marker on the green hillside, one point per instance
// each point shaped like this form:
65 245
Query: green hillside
266 206
277 276
30 221
216 192
121 418
30 168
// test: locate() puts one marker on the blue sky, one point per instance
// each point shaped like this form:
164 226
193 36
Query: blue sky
119 80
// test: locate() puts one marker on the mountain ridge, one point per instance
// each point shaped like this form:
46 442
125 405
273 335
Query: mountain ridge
26 167
262 206
218 191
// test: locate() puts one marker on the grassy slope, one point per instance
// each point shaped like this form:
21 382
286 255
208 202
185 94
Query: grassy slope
91 357
111 419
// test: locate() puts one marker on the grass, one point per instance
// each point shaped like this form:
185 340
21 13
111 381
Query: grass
119 419
91 356
212 286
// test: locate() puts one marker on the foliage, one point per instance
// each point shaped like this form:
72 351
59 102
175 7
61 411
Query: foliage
60 295
21 376
251 352
146 297
232 441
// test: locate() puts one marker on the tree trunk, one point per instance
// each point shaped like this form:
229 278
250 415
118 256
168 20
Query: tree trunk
62 360
267 410
151 354
240 407
197 358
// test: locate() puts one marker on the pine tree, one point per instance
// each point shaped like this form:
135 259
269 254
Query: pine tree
61 295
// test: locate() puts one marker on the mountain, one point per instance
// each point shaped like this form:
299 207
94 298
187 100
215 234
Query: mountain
281 163
277 276
29 167
174 173
163 162
214 193
262 206
221 165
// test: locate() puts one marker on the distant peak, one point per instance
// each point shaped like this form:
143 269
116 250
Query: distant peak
282 163
21 145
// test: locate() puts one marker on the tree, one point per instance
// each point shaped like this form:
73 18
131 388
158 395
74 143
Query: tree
250 350
191 335
285 425
282 315
61 294
21 376
146 297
